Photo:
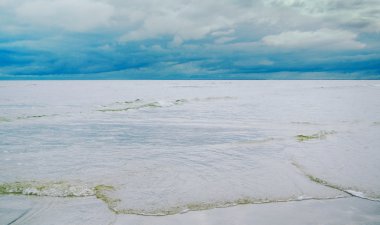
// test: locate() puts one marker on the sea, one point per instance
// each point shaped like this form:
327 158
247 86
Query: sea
161 148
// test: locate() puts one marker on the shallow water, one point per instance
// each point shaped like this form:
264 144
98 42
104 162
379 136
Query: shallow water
166 147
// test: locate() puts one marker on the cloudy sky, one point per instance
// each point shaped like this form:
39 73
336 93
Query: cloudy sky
200 39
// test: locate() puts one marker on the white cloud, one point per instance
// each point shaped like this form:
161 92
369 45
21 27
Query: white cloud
72 15
223 32
177 41
322 38
359 15
183 20
4 3
223 40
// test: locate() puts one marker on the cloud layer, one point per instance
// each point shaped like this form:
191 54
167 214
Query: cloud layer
71 15
187 39
321 39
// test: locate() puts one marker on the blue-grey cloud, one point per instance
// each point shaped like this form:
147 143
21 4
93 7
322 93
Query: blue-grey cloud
188 39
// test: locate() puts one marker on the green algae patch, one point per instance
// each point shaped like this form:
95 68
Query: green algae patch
200 206
319 180
152 104
129 102
3 119
180 101
327 184
34 117
136 107
316 179
319 135
37 116
302 137
140 104
100 193
104 188
52 189
113 110
244 201
13 188
21 188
